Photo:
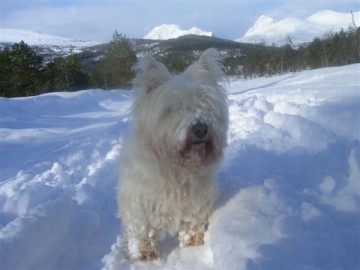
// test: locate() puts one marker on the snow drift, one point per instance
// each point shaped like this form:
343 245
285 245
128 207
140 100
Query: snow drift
290 180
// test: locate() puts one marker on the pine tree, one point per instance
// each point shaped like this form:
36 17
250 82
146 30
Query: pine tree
118 61
21 71
313 54
341 48
5 73
66 74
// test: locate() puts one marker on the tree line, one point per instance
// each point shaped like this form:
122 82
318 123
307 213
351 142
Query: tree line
24 73
340 48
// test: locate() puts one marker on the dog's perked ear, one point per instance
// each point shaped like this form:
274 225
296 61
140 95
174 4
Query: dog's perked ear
208 67
150 74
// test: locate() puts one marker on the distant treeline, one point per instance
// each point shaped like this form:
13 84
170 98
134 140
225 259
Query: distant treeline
24 73
341 48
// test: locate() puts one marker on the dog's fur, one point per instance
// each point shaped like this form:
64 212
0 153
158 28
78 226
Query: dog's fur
169 161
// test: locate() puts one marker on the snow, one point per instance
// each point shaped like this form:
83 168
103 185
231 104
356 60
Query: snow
331 18
267 30
168 31
290 179
10 35
263 22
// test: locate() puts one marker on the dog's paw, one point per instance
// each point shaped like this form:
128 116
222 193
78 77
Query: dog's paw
148 255
145 250
143 256
190 239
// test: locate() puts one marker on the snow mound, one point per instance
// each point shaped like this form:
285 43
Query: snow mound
290 196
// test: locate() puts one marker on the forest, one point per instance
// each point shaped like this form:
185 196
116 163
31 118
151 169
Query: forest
23 72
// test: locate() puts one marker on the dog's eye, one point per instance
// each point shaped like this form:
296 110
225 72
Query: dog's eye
173 109
169 110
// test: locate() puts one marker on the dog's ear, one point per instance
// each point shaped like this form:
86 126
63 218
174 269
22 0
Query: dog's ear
150 74
208 67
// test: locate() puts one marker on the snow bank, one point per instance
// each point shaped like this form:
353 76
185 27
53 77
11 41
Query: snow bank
290 180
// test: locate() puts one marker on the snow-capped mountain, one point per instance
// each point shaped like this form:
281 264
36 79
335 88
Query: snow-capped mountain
168 31
10 36
262 23
267 30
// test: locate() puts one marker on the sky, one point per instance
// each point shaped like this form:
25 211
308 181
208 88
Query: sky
98 19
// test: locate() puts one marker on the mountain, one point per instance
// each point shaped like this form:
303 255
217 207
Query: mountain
56 44
268 31
183 49
168 31
263 22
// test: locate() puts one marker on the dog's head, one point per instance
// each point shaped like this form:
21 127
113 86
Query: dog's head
183 118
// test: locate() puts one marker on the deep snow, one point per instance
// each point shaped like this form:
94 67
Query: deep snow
290 179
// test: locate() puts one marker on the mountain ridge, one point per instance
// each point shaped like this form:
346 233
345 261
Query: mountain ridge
269 31
265 30
55 43
169 31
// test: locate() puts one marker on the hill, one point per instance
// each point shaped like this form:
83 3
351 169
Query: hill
90 52
178 53
45 44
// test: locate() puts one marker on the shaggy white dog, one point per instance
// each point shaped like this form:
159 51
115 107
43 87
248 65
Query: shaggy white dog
169 161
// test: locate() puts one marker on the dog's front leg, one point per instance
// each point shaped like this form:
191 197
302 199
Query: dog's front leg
192 234
143 244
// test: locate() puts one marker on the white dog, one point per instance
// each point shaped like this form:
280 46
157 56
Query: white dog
169 161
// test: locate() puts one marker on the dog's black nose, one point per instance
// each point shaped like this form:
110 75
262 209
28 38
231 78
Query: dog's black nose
199 129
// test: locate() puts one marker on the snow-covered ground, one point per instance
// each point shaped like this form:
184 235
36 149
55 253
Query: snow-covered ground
290 179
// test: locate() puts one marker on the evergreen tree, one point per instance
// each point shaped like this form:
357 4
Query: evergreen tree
21 71
66 74
5 73
341 48
313 54
118 61
78 79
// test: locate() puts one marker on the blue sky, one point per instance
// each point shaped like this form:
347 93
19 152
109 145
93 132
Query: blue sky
98 19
